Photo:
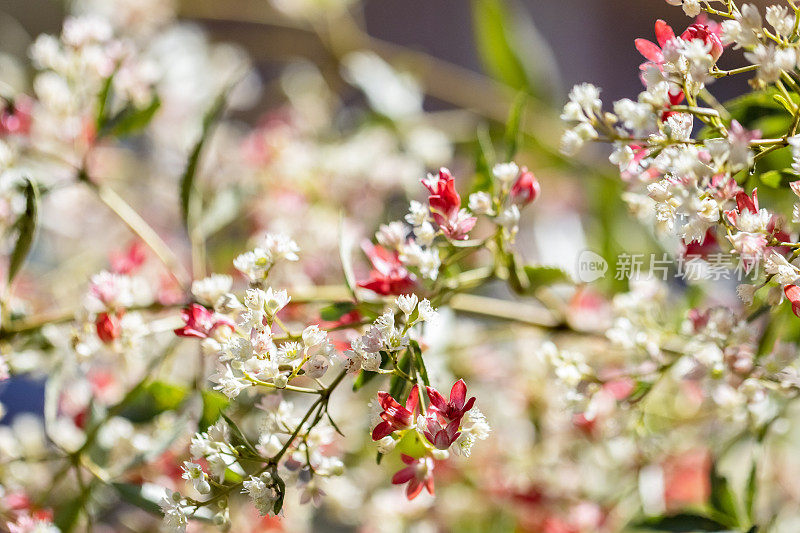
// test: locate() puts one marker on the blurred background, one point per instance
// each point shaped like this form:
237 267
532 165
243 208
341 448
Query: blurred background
586 39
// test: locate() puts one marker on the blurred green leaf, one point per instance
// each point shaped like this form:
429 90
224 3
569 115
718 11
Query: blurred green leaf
237 436
152 400
131 120
281 486
420 362
722 498
540 276
134 495
214 403
513 124
484 159
397 384
771 178
187 184
25 226
680 523
335 311
512 49
346 257
750 491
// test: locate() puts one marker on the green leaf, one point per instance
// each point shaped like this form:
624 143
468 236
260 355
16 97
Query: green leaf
538 276
335 311
513 125
67 514
281 492
683 523
512 49
346 257
237 437
366 376
771 178
411 444
152 400
102 102
25 227
134 495
131 120
398 384
420 362
484 159
722 497
187 180
214 403
750 491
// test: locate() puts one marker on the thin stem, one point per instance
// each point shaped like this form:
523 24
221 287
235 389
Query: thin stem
145 232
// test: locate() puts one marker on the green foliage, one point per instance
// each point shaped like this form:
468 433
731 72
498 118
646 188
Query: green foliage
680 523
484 159
419 361
131 120
25 226
152 400
133 495
335 311
512 135
722 499
237 436
213 405
511 48
187 183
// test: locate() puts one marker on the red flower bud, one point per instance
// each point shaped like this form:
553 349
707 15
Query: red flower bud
526 189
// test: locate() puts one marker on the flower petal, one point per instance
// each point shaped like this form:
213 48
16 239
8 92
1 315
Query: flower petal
458 394
664 32
402 476
649 50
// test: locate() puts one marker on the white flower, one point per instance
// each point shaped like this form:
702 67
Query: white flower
779 18
480 203
509 218
407 303
572 112
210 289
474 428
391 235
261 492
587 96
280 247
691 7
274 301
426 259
371 361
571 143
746 292
194 472
635 116
783 271
317 366
230 385
254 264
313 336
425 234
174 515
731 31
386 444
417 213
505 172
622 156
426 311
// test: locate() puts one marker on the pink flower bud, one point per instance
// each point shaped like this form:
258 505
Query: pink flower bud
526 189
